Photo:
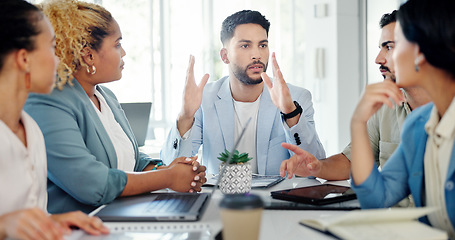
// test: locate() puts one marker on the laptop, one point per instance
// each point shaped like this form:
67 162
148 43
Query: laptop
138 114
156 207
161 207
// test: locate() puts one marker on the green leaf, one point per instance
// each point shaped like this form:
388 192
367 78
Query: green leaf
243 155
236 157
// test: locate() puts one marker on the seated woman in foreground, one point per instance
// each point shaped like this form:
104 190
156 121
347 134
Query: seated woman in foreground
27 64
424 162
93 156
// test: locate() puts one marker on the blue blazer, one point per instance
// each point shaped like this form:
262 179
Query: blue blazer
213 127
404 172
82 163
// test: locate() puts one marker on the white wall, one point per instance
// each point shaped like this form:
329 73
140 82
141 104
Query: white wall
336 94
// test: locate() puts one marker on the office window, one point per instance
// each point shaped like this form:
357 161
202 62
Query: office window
159 36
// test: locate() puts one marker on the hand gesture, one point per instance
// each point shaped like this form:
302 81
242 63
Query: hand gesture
279 91
302 163
192 98
374 97
91 225
29 224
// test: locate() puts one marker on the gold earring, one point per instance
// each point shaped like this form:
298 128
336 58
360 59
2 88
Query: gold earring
93 70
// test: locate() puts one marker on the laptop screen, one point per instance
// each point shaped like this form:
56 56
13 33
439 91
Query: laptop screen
138 114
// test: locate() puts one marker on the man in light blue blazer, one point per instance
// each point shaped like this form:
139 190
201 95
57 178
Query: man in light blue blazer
214 115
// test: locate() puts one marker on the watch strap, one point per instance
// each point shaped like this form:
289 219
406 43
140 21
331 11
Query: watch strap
294 113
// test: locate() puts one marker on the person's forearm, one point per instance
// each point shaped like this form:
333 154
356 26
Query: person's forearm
152 167
184 124
293 121
336 167
141 182
362 161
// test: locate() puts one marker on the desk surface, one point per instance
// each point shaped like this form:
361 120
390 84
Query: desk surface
276 224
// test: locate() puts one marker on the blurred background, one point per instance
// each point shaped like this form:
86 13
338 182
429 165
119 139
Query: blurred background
326 46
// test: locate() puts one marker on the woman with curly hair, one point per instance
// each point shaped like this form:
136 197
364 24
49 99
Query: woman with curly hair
27 64
93 156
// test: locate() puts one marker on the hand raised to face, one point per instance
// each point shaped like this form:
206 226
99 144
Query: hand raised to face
374 96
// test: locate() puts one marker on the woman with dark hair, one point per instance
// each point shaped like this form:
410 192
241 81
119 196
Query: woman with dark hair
93 156
424 162
27 64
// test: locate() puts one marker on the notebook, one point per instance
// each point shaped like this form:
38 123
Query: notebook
158 207
138 114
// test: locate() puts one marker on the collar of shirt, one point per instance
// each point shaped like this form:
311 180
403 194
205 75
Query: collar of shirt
444 127
405 104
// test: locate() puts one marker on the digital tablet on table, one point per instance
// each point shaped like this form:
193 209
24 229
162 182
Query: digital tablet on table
317 195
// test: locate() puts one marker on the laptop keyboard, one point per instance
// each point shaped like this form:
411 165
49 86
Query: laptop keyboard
172 203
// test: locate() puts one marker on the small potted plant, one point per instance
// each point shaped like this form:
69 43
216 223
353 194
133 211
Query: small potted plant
237 174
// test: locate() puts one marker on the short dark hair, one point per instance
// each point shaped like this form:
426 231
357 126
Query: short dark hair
431 25
388 18
242 17
18 26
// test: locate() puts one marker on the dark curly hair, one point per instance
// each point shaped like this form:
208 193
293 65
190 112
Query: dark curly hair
18 26
242 17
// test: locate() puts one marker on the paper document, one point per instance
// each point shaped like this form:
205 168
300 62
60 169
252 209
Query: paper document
379 224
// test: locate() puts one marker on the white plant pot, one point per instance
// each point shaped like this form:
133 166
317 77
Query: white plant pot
236 178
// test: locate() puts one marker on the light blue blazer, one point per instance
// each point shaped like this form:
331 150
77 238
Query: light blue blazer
82 163
404 172
213 127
